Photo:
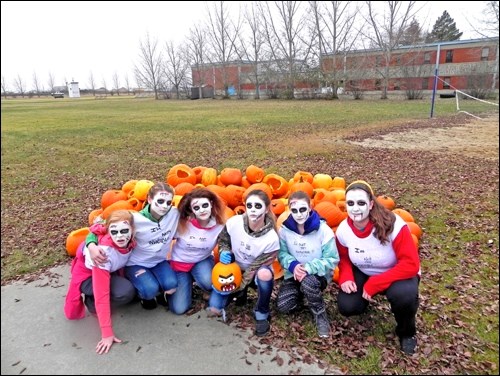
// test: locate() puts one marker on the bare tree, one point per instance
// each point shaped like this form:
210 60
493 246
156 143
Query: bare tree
176 66
104 86
222 36
51 82
127 84
388 31
196 53
36 85
285 37
4 87
92 83
252 47
334 24
20 85
149 70
116 83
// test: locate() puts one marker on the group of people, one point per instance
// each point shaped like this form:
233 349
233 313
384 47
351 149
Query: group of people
128 256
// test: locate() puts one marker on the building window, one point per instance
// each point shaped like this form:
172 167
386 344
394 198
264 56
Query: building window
377 85
425 84
397 86
446 83
485 53
449 56
427 58
378 61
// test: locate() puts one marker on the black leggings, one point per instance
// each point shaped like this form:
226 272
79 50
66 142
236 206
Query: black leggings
402 296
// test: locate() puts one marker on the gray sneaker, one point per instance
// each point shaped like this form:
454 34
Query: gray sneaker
322 324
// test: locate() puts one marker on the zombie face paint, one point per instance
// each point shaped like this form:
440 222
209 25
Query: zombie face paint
161 203
202 208
300 211
121 233
256 208
358 205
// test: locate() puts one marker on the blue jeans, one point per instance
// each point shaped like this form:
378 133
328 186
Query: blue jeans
149 282
180 301
264 291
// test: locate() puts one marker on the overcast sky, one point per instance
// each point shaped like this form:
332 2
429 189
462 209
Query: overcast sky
72 38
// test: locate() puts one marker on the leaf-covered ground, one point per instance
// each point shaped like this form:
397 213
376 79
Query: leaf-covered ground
459 253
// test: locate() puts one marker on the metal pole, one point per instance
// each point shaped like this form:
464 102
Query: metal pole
435 79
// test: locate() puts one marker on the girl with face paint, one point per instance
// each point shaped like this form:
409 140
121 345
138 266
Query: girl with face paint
251 241
100 284
308 254
148 268
201 220
377 256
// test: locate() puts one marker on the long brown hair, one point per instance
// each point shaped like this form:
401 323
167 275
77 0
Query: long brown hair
185 207
383 219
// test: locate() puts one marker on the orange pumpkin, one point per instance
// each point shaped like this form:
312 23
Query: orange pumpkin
231 176
277 269
198 171
415 229
128 186
226 278
111 196
234 195
407 217
330 212
304 176
182 188
277 206
254 174
278 184
386 201
302 185
338 183
122 204
93 215
336 275
322 181
180 173
74 239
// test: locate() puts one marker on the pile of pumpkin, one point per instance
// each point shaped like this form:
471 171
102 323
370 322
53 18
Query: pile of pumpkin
232 185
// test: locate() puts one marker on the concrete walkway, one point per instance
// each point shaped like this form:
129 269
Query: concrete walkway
37 339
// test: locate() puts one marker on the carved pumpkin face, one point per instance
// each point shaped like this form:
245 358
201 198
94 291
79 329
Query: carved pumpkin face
226 278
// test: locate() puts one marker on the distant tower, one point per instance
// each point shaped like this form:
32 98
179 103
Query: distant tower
73 90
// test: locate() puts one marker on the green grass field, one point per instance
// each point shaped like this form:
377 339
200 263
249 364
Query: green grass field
59 156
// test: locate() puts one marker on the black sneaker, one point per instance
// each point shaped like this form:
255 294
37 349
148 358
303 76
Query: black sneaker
162 299
149 304
322 325
408 345
90 303
262 327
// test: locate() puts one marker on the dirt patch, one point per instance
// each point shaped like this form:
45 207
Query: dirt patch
476 138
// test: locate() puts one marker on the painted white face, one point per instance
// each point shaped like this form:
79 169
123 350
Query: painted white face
358 205
121 233
161 203
300 211
202 208
256 208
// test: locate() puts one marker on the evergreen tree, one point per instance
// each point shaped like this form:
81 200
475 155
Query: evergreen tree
444 30
412 34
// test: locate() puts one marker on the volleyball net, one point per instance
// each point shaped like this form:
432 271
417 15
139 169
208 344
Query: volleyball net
469 104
